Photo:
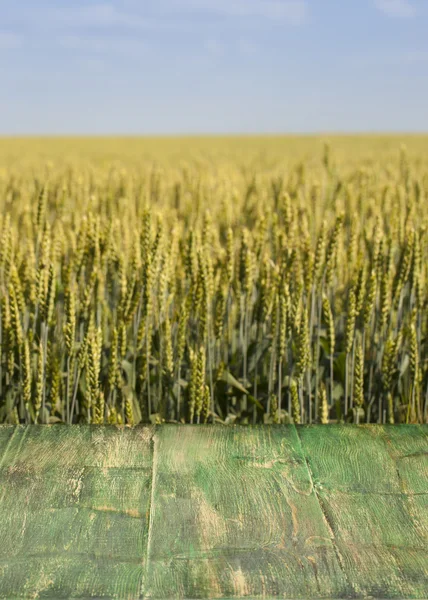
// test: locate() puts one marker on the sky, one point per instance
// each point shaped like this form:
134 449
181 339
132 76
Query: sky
213 66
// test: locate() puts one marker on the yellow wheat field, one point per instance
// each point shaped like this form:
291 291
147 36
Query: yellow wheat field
214 279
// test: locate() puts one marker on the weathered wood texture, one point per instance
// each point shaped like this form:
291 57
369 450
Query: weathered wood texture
214 512
74 506
372 487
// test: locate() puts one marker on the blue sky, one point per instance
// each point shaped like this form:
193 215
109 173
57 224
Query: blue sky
213 66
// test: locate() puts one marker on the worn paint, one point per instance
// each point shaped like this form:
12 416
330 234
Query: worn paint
214 512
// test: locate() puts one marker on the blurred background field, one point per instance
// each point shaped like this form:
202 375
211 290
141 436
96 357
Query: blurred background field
19 152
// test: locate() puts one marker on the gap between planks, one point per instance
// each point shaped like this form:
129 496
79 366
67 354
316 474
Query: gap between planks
324 515
154 452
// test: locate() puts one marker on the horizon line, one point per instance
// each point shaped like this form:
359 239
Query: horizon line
349 133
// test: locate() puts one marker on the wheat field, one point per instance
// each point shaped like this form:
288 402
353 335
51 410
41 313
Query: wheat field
226 280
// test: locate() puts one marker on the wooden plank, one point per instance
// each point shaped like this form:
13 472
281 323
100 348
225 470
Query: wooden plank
74 512
234 514
374 505
42 448
408 446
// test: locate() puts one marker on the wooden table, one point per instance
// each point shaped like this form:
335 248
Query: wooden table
214 512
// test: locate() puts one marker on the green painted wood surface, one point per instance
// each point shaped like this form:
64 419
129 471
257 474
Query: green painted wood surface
74 511
214 512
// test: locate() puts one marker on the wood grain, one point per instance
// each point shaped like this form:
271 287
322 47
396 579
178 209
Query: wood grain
74 512
376 509
234 514
214 512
